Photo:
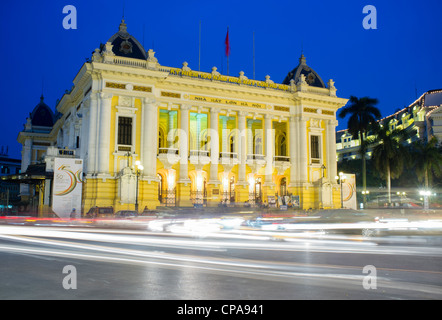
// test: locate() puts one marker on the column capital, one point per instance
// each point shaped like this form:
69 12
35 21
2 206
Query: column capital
94 96
332 122
105 95
148 100
303 119
215 110
242 113
185 107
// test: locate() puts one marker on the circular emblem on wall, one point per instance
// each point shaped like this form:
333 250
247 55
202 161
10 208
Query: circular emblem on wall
126 47
310 78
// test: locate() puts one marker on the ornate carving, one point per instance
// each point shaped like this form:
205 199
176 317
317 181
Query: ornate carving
124 101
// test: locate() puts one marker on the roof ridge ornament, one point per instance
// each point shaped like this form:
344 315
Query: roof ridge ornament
302 60
123 28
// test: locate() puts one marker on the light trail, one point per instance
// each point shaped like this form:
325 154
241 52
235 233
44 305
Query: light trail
110 246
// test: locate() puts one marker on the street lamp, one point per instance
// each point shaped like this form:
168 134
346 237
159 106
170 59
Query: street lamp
426 194
401 196
364 195
138 169
341 179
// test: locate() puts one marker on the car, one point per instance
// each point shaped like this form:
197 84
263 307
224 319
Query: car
100 212
126 214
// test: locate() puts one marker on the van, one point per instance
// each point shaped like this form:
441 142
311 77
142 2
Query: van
100 212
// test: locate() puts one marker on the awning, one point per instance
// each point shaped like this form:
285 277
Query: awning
35 174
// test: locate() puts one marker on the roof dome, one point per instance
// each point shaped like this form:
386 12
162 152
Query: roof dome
311 77
42 115
125 45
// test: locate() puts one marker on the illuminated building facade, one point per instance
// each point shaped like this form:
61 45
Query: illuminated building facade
423 116
201 138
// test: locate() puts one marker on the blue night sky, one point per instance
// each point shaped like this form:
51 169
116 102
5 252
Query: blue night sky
390 63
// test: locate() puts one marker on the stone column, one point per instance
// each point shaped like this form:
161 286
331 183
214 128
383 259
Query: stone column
269 149
84 130
184 144
104 133
92 134
293 138
148 185
303 154
242 148
149 123
331 155
214 146
183 183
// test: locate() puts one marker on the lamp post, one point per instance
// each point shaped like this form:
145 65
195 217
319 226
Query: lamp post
426 194
138 169
401 197
341 179
364 194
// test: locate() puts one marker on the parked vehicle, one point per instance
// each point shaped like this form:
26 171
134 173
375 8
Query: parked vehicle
126 214
100 212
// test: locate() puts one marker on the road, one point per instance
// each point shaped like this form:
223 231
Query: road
110 263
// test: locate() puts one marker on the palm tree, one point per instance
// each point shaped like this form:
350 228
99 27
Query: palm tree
389 152
362 113
427 161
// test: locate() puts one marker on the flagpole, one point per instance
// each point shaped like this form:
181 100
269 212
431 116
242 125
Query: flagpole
199 49
229 52
253 55
227 44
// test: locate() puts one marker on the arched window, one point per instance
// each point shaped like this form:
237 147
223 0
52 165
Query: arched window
283 187
281 145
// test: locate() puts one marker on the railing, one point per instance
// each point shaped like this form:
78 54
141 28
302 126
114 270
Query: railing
281 158
255 157
255 198
199 153
228 197
167 151
317 90
66 152
198 198
230 155
168 197
130 62
316 161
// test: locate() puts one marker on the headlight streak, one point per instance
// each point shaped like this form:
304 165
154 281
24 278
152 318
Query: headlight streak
281 271
47 237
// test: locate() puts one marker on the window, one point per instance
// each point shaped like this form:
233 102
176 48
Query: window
314 149
125 131
232 144
258 145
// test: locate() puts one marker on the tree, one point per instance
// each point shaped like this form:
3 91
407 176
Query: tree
427 161
389 152
362 113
